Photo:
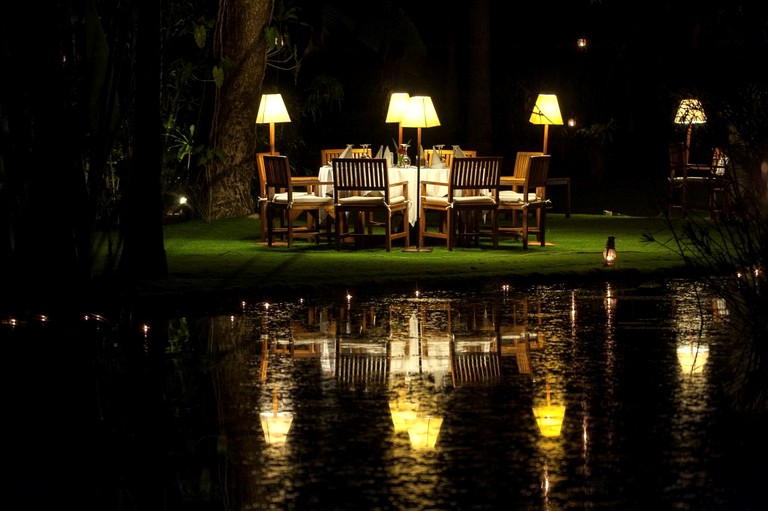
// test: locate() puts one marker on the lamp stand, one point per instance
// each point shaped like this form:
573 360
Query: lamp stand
272 138
418 248
399 134
688 143
546 137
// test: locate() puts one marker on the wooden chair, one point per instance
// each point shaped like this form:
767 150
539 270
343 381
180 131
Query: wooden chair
287 204
530 201
361 188
694 186
472 191
262 193
447 155
326 155
516 181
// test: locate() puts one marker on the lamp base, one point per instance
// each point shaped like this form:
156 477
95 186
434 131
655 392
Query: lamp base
418 249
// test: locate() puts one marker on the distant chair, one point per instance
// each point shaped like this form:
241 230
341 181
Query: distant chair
473 190
326 155
447 155
530 201
695 186
362 189
285 204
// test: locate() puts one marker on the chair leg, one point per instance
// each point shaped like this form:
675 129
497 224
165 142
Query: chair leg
263 220
524 214
422 226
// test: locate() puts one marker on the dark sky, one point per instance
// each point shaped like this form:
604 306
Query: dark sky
484 71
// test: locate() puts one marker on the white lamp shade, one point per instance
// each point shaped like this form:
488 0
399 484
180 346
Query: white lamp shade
398 103
546 110
690 111
272 109
420 113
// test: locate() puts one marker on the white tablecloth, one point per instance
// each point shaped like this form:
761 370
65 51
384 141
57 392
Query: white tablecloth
399 174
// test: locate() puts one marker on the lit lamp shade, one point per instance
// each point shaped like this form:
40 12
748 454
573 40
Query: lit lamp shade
690 111
420 113
398 103
550 419
546 111
272 110
424 431
692 358
276 426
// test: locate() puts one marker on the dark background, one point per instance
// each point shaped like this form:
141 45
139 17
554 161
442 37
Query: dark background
484 63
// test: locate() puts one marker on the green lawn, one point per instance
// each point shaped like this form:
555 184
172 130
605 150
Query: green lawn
225 258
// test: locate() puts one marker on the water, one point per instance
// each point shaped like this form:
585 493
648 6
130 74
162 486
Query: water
172 413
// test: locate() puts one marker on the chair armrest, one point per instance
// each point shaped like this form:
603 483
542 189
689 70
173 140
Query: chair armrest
300 180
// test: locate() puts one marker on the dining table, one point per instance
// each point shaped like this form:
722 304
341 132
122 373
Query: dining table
397 174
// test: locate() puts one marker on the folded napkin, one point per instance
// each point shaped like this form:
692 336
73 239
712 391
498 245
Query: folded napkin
380 153
389 157
437 163
347 152
458 153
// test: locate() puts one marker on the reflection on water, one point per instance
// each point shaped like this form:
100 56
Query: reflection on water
538 398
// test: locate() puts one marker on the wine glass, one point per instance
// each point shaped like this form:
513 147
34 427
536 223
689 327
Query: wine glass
440 152
366 151
403 159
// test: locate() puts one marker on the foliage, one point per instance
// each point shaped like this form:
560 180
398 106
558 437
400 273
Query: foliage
730 251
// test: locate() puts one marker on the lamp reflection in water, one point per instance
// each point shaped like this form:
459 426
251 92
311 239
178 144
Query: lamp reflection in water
692 357
549 417
423 428
276 424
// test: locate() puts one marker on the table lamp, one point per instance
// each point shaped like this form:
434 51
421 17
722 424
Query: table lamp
690 112
546 111
398 103
419 114
272 110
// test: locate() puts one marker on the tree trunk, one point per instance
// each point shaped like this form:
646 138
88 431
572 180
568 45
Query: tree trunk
240 40
480 107
144 250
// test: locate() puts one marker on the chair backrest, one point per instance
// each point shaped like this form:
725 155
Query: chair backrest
677 159
447 155
360 175
326 155
522 159
262 173
277 175
538 169
475 175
